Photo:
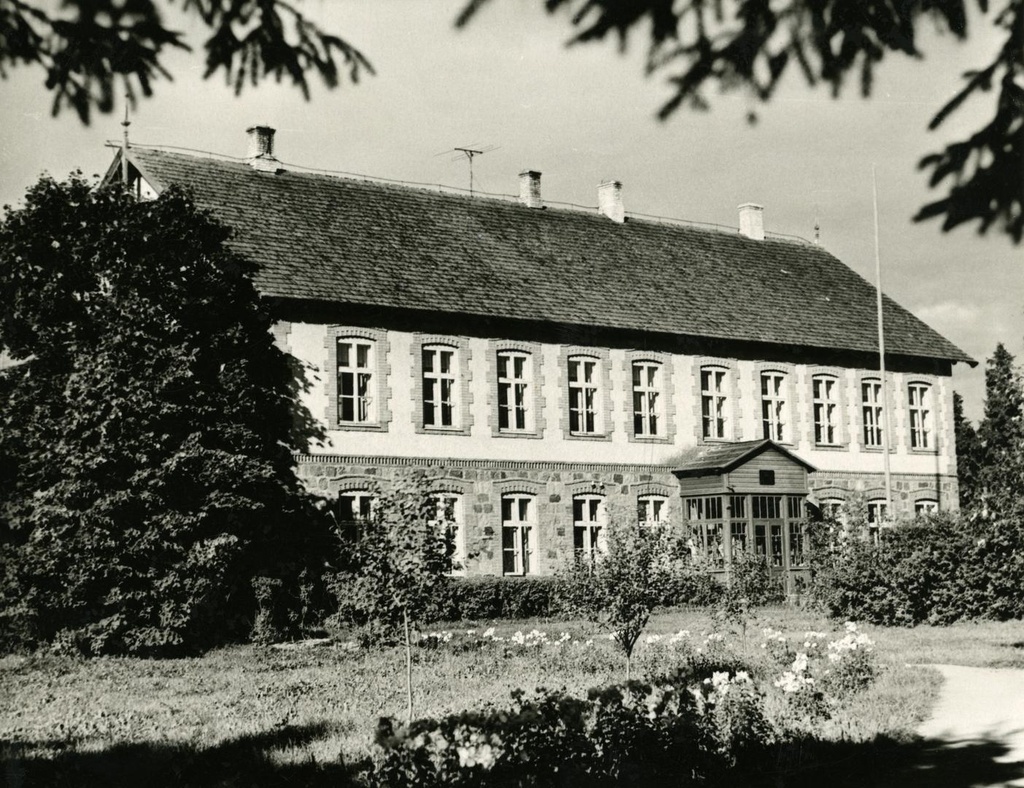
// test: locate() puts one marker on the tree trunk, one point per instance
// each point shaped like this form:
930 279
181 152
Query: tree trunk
627 667
408 666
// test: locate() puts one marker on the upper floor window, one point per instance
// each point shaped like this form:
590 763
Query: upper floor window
773 405
825 396
652 510
871 408
584 390
588 526
518 517
713 400
920 408
440 386
647 399
356 403
514 391
448 520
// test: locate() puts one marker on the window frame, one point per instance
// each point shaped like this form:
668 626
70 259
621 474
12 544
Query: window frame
718 396
592 545
924 411
457 524
835 424
522 532
774 425
461 390
644 505
380 386
519 390
876 406
353 371
603 425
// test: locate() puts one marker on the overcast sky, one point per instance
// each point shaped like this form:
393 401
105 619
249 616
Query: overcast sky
586 114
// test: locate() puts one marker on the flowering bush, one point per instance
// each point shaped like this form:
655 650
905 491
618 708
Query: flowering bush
851 662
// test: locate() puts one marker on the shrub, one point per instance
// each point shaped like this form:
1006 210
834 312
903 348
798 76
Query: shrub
486 598
939 571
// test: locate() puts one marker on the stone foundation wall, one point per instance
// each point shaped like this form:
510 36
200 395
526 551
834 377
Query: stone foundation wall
480 485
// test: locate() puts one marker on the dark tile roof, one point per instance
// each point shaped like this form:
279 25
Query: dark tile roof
346 240
723 457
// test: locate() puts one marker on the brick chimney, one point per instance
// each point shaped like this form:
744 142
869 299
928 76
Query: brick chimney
752 221
529 189
261 149
609 201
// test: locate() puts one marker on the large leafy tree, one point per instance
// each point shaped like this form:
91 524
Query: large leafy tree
144 438
90 48
750 45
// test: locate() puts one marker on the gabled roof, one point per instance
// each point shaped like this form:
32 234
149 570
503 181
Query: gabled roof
716 458
343 240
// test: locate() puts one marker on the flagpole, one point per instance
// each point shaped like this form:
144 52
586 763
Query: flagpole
881 354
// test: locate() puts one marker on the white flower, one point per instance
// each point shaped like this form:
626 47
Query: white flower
488 633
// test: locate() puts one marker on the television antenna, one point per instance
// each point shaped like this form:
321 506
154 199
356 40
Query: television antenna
467 153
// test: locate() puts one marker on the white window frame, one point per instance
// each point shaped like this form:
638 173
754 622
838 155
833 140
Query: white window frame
652 510
919 410
588 527
439 378
518 532
648 398
773 406
926 506
872 406
825 409
877 516
517 391
448 519
362 506
362 378
579 389
714 402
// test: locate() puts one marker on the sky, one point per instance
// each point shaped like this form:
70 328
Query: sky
585 114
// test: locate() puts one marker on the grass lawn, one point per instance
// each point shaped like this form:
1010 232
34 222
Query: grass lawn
307 706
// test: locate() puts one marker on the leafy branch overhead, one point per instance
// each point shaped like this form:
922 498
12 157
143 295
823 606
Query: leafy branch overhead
751 44
87 47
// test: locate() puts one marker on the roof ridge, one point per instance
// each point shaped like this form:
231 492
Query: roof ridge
458 191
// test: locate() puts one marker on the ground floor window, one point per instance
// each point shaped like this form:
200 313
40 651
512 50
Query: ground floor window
926 507
517 525
448 520
588 526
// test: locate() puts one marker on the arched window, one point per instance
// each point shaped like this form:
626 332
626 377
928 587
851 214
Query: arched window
440 386
652 510
825 396
515 383
648 399
356 381
925 506
448 519
713 401
518 519
871 409
773 406
920 410
584 395
589 521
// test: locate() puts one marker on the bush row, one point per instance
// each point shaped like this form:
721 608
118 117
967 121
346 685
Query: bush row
936 572
679 730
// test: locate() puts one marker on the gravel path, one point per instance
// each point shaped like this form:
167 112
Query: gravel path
980 705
